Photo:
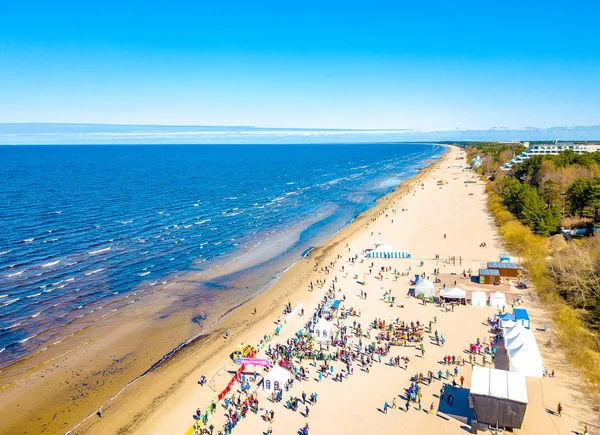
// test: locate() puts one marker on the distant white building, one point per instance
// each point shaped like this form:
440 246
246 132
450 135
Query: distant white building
551 149
476 162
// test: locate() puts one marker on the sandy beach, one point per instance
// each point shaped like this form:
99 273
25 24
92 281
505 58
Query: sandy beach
421 217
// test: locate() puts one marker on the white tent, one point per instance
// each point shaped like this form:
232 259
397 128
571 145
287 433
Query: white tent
275 379
507 323
499 383
425 287
386 251
478 299
453 293
498 397
523 352
497 300
322 331
511 332
516 341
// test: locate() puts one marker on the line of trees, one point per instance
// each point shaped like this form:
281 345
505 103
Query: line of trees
544 193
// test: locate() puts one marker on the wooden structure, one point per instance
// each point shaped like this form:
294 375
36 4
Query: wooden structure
506 269
489 276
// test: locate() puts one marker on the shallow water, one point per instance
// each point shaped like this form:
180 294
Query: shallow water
83 227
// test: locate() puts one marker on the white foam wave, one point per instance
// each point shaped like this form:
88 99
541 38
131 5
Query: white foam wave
99 251
28 240
5 252
9 302
144 273
33 296
11 275
50 264
93 272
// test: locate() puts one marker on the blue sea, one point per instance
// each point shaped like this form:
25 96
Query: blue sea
84 226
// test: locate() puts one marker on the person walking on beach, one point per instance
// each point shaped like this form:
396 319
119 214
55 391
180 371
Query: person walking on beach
394 403
559 409
385 407
306 412
462 381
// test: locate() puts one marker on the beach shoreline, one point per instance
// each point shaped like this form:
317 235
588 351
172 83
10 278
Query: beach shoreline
76 403
212 343
170 397
443 198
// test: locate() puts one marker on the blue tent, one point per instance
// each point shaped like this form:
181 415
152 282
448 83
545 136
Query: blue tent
522 317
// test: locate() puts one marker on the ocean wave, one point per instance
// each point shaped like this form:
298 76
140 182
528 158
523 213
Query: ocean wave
12 275
144 273
50 264
93 272
12 326
28 240
99 251
10 302
5 252
25 340
33 316
33 296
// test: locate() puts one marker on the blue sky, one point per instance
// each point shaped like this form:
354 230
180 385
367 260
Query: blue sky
426 65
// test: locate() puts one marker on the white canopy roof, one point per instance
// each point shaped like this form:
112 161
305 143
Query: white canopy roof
511 332
499 383
323 324
478 298
515 342
507 323
497 300
454 293
323 330
279 374
425 287
523 352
